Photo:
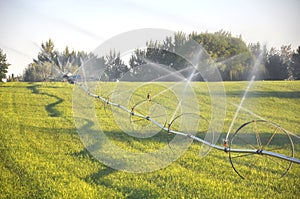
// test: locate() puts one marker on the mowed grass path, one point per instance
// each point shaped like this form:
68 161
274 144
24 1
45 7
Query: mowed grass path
42 156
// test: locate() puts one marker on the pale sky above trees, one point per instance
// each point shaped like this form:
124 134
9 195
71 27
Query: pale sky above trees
83 25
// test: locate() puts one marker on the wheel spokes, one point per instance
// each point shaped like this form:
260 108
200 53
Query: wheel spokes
259 138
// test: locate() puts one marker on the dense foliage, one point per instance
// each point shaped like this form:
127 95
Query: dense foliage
234 59
3 65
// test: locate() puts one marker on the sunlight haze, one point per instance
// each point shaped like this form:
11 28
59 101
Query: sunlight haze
84 25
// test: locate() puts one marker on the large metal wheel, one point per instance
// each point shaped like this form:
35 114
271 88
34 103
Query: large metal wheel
260 135
142 127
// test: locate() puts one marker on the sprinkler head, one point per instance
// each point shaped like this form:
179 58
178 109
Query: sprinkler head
149 97
225 143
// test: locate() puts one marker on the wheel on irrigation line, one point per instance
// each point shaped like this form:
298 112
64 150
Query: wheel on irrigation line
193 124
143 127
190 123
260 135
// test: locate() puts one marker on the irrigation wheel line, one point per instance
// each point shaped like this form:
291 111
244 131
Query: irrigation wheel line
147 107
249 135
253 150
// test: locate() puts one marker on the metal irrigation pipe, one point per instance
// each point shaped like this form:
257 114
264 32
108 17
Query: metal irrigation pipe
225 148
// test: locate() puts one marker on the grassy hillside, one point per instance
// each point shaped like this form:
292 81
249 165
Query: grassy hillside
42 156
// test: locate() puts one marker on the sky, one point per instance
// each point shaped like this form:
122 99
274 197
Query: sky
85 24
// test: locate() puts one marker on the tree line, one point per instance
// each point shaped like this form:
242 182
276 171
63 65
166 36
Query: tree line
234 59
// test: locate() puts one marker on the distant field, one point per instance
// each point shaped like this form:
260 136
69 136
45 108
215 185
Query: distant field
42 156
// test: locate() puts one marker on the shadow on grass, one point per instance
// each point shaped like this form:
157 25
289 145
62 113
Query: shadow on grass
98 176
258 94
50 108
251 140
50 130
85 153
101 177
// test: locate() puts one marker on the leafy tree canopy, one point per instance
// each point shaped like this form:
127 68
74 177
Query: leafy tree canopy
3 65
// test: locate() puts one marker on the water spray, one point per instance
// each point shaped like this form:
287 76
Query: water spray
235 154
246 151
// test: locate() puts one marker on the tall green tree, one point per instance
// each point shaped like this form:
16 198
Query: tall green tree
286 54
115 67
173 52
221 44
36 72
47 65
259 54
296 64
51 64
48 53
137 58
3 65
231 53
275 66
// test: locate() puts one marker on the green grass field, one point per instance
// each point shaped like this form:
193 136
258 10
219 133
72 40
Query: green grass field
42 156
